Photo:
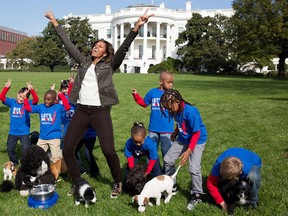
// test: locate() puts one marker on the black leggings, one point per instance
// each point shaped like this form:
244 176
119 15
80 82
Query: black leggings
99 118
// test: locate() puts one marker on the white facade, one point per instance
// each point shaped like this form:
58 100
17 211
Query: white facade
156 39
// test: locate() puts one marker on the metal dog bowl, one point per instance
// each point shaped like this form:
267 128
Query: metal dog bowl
42 192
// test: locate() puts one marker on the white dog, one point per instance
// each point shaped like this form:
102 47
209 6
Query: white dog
154 189
9 170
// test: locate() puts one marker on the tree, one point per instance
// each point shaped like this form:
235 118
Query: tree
48 53
203 43
23 53
170 64
260 31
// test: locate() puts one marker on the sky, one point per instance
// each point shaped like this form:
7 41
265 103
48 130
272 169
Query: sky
28 15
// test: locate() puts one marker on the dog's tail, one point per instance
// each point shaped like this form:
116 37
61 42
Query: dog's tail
176 172
6 186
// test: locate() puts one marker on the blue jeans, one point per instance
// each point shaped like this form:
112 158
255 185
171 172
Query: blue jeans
164 139
254 179
12 143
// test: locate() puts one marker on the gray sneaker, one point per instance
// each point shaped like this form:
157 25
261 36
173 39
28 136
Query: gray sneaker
194 201
116 190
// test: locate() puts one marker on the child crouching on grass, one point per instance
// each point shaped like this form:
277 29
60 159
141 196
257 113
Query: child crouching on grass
190 143
50 122
139 145
232 164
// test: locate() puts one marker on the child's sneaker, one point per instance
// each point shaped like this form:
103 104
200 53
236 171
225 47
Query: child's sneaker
116 190
194 201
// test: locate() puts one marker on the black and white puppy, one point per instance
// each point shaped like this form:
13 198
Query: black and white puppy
235 192
135 179
84 192
6 186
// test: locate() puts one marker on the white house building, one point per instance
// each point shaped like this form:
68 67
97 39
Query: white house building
156 39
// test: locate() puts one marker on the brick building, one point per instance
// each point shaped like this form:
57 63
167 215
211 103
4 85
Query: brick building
8 40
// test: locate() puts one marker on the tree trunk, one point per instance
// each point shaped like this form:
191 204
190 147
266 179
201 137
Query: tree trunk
51 68
281 67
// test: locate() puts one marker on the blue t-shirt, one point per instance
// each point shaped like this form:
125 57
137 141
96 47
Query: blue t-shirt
67 116
158 123
19 117
189 121
148 148
90 132
247 157
50 120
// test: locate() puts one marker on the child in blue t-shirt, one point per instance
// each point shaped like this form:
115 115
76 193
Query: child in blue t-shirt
139 145
19 118
160 128
50 122
190 143
235 163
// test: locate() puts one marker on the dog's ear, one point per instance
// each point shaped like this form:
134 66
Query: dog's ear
135 198
146 201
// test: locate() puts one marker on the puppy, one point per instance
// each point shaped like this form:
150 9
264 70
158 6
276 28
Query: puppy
84 192
154 189
9 170
135 179
59 167
235 192
6 186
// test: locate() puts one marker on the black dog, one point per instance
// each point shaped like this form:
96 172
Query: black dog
135 179
6 186
34 170
235 192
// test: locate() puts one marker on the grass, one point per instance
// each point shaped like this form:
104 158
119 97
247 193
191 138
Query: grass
243 112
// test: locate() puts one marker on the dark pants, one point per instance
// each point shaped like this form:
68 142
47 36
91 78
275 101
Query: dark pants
99 118
88 144
12 143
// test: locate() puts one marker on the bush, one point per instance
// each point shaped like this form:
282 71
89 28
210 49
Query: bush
172 65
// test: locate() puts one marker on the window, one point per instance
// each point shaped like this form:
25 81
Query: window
141 32
154 31
180 30
140 51
97 33
108 33
153 52
164 52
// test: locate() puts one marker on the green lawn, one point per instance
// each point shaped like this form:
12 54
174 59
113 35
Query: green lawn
243 112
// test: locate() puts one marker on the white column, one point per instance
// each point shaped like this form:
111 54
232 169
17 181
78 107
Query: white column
158 54
144 58
168 41
115 45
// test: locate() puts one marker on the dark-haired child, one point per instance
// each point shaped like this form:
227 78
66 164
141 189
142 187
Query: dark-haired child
139 145
19 118
65 88
50 122
190 142
235 163
160 128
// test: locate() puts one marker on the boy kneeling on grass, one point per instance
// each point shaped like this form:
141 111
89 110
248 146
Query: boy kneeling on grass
232 164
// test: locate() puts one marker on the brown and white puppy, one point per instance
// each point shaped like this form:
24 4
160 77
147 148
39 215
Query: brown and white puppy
59 167
9 170
154 189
